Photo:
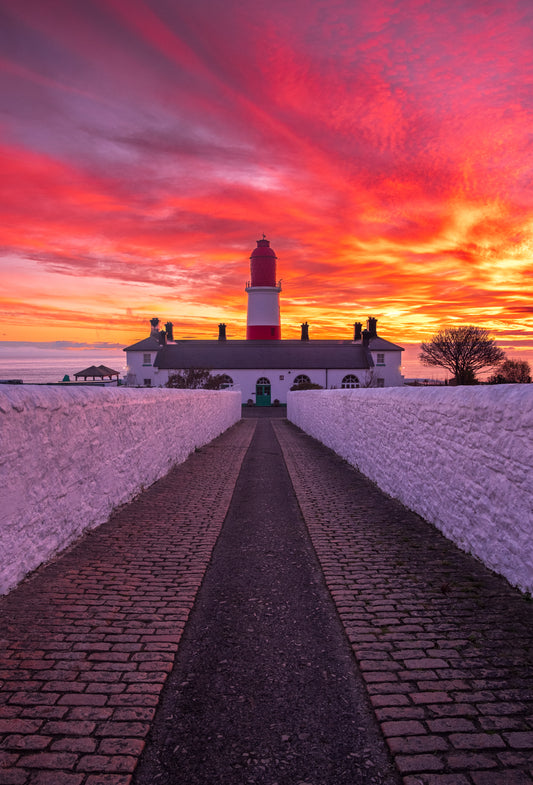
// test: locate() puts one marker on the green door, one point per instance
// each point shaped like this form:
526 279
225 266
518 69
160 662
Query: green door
262 392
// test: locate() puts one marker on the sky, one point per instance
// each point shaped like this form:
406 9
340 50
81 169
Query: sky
384 148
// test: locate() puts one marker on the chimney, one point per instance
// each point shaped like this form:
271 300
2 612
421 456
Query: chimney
169 327
366 337
155 326
357 331
221 332
162 338
371 327
305 332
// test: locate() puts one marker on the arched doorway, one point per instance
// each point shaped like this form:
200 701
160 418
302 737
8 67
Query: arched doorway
262 392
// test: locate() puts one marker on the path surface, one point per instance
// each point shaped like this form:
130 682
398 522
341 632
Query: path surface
264 688
444 647
88 641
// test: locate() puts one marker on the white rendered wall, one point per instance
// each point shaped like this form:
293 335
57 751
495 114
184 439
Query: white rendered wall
69 455
137 371
390 370
461 457
245 380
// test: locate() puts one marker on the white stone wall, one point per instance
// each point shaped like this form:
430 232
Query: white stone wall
69 455
461 457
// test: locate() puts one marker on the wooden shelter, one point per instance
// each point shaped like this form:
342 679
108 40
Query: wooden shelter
97 372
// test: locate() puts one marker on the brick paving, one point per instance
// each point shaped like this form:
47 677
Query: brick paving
264 687
444 645
87 642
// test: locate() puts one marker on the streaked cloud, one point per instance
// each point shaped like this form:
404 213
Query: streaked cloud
385 149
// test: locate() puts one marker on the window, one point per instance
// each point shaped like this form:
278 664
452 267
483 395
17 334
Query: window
281 378
349 382
147 359
147 382
380 383
381 358
226 382
302 379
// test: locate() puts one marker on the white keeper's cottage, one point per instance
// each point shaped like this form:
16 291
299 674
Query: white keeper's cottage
264 366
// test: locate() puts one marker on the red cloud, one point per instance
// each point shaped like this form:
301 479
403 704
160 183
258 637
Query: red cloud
382 148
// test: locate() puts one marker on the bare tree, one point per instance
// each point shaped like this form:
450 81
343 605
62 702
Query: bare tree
462 350
370 379
512 372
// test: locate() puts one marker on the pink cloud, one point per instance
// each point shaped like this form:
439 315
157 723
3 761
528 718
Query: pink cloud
383 147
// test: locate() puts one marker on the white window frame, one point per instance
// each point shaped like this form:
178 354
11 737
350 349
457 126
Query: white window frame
352 384
228 382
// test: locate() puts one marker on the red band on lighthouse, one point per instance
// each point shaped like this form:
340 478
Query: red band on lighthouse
263 332
263 265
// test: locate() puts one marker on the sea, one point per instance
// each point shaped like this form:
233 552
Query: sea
45 367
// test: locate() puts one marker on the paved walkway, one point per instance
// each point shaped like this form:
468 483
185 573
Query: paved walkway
443 645
264 688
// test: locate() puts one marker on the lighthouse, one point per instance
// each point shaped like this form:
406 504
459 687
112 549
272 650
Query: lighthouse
263 319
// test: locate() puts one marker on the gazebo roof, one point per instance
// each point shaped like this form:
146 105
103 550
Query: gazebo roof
97 372
108 371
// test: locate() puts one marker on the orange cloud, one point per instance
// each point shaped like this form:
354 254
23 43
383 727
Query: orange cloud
383 149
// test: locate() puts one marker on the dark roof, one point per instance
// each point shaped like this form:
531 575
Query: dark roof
267 354
108 371
378 344
150 344
97 372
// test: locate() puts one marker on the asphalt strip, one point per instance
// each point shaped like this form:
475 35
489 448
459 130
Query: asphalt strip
265 688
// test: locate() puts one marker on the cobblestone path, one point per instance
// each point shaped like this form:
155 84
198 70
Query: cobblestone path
87 642
264 688
444 645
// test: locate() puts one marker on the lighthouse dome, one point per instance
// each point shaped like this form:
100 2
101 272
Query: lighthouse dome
263 264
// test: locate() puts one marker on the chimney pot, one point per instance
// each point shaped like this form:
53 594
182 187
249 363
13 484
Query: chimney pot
162 338
372 327
221 332
305 332
357 331
169 327
154 329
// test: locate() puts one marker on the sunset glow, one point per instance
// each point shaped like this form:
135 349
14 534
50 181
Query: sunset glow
384 148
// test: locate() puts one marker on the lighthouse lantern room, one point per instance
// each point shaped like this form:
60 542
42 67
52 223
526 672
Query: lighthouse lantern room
263 317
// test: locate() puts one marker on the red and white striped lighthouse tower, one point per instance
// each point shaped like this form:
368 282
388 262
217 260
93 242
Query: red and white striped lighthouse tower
263 322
